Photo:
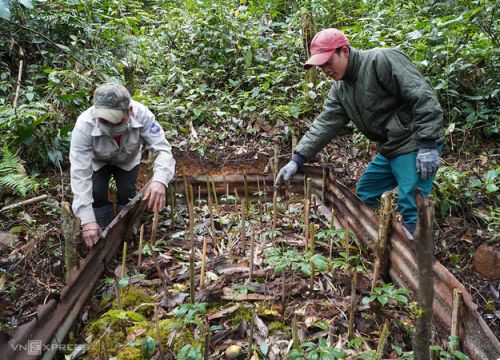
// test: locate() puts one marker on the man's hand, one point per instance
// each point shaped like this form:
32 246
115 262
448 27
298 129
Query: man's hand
91 233
155 195
427 162
286 173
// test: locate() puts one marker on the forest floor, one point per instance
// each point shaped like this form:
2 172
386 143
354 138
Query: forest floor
32 271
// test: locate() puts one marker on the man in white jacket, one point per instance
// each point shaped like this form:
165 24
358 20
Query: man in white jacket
107 141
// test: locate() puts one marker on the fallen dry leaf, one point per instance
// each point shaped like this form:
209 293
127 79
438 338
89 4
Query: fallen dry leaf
223 312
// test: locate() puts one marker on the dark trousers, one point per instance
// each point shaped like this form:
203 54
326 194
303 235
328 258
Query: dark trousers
125 184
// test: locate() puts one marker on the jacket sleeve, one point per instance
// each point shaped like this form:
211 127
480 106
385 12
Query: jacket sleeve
154 137
399 76
324 128
80 156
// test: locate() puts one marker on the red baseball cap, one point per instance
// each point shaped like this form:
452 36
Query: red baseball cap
323 45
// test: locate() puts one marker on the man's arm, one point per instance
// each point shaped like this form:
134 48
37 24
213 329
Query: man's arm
322 131
324 128
80 156
164 163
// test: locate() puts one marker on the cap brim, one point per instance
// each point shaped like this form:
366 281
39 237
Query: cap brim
318 59
111 115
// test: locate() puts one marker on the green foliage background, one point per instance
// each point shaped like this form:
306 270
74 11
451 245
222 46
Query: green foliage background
224 64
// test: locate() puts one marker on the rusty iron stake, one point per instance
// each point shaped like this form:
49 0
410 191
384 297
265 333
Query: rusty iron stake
275 216
243 227
159 271
455 315
384 334
252 250
141 239
352 308
158 333
154 228
117 292
203 263
124 261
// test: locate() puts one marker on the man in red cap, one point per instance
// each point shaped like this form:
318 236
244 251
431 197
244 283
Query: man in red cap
390 102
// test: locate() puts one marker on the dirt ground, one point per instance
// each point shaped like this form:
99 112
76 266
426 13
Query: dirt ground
32 266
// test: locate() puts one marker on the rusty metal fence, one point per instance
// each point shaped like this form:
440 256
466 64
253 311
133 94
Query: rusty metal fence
42 337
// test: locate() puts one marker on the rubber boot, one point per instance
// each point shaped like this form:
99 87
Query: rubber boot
104 215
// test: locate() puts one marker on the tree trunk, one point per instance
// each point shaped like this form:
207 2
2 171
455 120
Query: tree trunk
425 292
71 232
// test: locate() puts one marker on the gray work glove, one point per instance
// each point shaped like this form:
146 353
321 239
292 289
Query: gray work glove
427 162
286 173
289 169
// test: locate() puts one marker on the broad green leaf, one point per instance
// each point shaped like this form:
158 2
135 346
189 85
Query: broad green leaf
134 316
63 47
366 300
320 262
16 229
117 314
148 346
248 58
491 188
4 9
383 299
414 35
264 347
401 298
26 3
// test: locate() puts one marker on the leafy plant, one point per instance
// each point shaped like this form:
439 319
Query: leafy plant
348 262
190 352
148 346
401 353
461 190
446 354
190 313
243 289
5 7
293 260
312 351
386 293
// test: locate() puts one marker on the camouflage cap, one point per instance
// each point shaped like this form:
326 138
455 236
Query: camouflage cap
111 101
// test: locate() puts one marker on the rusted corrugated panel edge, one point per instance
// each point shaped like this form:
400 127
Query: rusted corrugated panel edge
477 339
41 337
54 320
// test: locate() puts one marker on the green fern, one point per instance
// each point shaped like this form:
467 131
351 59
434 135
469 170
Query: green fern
9 162
34 110
18 184
13 181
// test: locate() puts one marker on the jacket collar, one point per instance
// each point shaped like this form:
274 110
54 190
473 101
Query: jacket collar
133 123
351 72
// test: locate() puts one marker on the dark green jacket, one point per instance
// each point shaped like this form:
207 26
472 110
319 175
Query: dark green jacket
387 99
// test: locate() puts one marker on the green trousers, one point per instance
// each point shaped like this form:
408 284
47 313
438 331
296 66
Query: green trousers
383 174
